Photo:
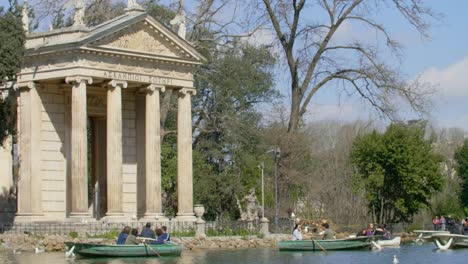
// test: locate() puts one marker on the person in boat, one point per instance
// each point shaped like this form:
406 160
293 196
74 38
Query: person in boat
165 234
160 237
132 238
327 233
297 234
148 232
370 230
123 236
381 230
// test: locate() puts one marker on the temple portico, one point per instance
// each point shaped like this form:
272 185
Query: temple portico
89 121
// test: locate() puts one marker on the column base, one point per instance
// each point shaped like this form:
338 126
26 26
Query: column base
154 217
82 217
115 218
185 217
28 217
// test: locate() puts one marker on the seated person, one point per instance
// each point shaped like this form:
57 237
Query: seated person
161 238
123 236
148 232
370 230
131 239
166 235
297 235
382 231
327 233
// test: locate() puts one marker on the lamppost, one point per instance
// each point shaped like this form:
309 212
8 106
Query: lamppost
277 153
261 166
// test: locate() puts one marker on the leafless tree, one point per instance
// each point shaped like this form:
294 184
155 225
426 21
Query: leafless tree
316 59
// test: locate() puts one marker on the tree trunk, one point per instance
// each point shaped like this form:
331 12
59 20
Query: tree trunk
295 115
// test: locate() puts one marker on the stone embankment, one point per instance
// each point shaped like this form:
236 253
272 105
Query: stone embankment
31 243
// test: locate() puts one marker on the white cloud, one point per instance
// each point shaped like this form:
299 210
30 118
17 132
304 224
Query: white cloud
451 81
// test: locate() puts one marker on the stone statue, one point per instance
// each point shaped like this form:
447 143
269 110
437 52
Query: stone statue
179 24
252 208
78 19
132 4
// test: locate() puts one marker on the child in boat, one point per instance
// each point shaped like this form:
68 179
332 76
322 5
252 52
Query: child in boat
327 233
297 235
123 236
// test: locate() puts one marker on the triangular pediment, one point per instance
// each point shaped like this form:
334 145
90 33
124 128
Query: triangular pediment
144 37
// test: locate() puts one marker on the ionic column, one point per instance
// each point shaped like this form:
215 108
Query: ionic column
79 147
29 180
184 156
114 148
153 152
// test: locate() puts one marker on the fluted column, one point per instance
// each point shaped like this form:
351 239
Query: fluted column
153 152
114 148
184 156
29 126
79 147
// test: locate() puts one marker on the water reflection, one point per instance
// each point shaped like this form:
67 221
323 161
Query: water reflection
407 254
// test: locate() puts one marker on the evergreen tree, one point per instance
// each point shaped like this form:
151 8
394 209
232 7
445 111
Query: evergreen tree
12 40
397 171
461 156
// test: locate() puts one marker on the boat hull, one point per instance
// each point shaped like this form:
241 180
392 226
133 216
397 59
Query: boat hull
149 250
317 245
394 242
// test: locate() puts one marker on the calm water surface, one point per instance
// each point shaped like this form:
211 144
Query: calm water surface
409 253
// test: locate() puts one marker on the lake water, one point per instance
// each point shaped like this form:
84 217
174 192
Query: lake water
408 253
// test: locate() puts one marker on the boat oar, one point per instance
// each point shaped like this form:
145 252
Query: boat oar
318 244
154 251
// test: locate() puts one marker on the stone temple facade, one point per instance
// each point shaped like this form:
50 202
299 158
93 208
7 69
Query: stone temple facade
97 90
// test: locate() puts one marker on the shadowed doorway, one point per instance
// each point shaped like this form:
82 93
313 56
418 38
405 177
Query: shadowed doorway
97 166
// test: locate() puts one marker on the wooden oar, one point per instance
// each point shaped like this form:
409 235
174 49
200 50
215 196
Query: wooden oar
155 252
320 246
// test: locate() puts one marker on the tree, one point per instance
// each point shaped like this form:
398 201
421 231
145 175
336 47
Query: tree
316 59
461 156
397 170
11 56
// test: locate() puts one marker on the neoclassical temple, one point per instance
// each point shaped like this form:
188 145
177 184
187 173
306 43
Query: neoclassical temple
92 96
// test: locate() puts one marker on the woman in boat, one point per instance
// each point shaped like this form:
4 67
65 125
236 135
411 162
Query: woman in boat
160 237
123 236
381 230
370 230
296 234
327 233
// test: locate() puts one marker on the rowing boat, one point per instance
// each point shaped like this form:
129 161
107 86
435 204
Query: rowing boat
316 245
142 250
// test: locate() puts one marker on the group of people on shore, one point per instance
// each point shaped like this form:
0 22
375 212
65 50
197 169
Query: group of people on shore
439 223
131 236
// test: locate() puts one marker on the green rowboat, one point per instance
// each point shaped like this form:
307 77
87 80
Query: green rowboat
145 250
318 245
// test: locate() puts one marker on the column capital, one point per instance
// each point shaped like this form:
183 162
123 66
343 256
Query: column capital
186 90
78 79
115 83
153 87
25 85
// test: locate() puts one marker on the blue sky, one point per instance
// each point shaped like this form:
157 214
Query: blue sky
442 61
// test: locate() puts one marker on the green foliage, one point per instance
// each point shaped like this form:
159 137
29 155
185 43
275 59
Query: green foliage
189 233
397 171
461 156
114 233
11 55
73 234
12 38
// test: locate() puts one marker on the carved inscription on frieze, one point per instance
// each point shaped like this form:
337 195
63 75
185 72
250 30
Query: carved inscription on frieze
136 77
